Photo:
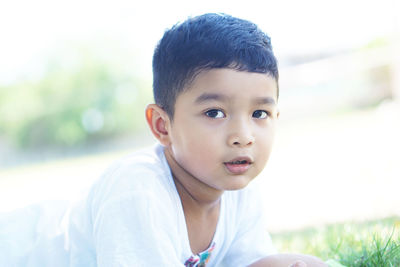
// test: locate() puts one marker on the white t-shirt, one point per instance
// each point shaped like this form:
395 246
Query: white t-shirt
132 216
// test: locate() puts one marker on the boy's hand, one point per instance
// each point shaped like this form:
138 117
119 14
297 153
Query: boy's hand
298 263
289 260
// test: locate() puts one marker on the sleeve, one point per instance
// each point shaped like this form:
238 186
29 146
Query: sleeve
133 230
252 240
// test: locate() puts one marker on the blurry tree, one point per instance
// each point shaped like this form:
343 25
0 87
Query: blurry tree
83 94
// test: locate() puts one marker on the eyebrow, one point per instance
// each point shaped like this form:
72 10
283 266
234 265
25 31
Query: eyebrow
265 100
205 97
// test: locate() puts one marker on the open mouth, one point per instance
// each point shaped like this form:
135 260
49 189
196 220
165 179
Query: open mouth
239 165
238 162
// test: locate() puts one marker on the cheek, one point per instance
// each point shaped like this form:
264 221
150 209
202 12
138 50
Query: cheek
264 146
201 150
196 144
200 157
197 136
198 160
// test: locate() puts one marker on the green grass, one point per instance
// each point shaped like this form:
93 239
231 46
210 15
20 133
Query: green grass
374 243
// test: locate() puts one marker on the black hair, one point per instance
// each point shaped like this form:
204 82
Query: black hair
206 42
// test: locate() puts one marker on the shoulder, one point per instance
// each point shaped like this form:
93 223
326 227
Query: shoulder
144 171
142 179
139 182
130 207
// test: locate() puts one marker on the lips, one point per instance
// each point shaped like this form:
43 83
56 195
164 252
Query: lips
238 165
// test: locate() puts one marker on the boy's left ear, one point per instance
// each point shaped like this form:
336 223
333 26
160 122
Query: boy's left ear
158 121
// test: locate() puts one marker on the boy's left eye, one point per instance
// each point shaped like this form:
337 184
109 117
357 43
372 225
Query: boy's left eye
260 114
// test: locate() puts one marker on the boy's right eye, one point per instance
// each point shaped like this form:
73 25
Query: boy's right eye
215 113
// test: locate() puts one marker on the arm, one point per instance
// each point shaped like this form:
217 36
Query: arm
289 260
252 245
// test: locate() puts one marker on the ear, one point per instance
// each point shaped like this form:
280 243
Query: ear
158 121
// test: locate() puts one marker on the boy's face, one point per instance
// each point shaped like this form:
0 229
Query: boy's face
223 128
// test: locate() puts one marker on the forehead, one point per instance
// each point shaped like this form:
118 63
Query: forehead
225 83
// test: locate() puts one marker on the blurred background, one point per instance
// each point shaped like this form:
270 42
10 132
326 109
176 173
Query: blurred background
75 77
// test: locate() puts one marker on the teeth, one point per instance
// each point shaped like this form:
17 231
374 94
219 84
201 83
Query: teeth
239 162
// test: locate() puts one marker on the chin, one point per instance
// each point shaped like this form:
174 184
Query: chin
240 184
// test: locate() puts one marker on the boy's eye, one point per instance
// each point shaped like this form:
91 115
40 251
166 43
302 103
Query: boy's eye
215 113
260 114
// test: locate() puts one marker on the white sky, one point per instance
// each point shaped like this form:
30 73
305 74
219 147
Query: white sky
30 29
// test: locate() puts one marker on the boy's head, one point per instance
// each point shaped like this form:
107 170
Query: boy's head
209 41
215 87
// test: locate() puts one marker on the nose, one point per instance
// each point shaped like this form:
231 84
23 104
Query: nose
241 135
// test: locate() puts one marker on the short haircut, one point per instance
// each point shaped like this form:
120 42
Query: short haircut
209 41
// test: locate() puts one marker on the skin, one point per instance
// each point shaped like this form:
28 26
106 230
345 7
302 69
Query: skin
292 260
224 116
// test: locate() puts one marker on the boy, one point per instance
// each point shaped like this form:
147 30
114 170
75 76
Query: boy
216 90
185 202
